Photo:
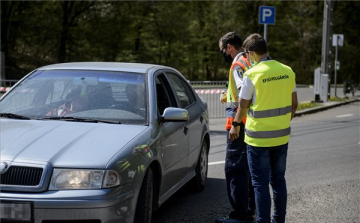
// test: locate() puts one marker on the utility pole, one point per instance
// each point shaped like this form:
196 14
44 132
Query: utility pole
2 69
326 40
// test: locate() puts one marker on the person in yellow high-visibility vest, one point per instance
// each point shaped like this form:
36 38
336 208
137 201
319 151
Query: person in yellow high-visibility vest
269 98
237 175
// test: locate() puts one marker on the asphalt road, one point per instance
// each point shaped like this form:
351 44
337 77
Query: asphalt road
323 172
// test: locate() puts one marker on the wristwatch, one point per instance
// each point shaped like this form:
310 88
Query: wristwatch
236 124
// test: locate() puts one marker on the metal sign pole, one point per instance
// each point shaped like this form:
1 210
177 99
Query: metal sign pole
317 84
265 32
338 40
336 56
267 17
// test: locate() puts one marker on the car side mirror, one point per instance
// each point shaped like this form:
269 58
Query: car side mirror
174 115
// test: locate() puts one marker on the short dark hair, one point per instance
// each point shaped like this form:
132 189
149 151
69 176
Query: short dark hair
255 42
231 38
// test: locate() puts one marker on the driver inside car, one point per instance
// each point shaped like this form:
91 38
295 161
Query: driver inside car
136 98
75 102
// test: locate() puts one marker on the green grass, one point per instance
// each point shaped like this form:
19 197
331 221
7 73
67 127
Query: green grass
338 99
306 105
312 104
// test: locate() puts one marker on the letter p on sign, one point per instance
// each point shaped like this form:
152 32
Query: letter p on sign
267 15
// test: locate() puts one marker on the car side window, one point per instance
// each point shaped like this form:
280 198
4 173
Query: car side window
190 92
183 92
162 94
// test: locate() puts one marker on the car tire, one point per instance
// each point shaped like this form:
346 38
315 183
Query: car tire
198 182
144 206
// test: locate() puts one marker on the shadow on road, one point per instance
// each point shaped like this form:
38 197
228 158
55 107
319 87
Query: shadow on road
189 206
218 132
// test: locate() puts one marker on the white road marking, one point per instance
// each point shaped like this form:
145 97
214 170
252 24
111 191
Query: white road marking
343 116
216 163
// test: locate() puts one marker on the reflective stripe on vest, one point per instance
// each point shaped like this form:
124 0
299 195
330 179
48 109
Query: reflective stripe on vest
231 104
245 65
268 134
270 112
232 92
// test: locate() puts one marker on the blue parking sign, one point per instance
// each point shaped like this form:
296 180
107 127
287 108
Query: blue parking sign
267 15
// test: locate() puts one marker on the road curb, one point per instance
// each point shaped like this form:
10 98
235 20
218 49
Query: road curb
323 108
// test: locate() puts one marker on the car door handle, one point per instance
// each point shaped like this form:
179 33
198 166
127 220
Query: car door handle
185 130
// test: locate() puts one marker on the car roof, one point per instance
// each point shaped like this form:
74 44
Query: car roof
105 66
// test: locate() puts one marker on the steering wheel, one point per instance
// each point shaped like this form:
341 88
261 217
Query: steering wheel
119 106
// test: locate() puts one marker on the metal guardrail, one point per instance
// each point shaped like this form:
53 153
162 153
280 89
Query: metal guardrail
5 85
8 83
208 84
210 92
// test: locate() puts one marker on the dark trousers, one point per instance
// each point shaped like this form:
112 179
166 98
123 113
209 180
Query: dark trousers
238 182
268 166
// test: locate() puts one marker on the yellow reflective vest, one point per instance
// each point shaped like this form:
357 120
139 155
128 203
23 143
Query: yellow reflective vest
268 119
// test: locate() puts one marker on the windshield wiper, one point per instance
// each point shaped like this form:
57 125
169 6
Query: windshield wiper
76 119
14 116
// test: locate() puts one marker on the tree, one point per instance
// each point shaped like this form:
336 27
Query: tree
12 18
71 12
181 34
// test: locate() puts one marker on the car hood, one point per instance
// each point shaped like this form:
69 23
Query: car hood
62 143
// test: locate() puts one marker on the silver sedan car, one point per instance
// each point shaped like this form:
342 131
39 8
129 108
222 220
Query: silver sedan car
99 142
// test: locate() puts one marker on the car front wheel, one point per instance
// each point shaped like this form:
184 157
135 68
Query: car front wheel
201 169
144 206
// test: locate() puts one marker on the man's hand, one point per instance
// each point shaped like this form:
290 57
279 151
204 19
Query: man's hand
234 133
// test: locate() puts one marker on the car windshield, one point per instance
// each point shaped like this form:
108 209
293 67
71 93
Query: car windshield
117 97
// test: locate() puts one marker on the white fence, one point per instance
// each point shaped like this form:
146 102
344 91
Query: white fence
210 92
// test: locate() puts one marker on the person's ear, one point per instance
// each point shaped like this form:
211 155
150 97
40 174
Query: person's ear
229 46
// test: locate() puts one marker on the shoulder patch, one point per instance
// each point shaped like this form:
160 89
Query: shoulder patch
240 72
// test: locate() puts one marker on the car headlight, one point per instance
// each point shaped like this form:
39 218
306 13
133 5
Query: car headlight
67 179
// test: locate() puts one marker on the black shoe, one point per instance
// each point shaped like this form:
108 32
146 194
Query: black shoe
251 218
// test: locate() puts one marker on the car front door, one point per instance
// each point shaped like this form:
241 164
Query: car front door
173 147
194 127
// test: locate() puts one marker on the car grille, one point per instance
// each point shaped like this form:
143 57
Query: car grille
21 176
